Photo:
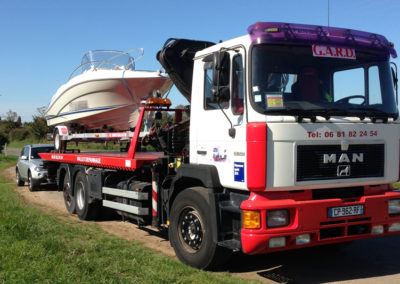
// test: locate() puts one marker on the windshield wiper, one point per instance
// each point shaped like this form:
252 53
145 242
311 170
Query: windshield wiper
327 113
323 112
373 113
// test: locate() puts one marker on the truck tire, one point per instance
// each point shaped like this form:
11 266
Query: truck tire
32 185
191 233
18 179
69 200
86 209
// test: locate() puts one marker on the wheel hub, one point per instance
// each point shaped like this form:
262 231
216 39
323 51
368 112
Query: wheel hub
191 230
80 194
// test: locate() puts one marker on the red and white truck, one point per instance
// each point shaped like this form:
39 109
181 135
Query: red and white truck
292 141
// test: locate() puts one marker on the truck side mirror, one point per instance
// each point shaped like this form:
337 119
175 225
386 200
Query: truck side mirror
221 68
224 94
23 157
221 94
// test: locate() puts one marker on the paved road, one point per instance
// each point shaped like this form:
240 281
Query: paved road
12 151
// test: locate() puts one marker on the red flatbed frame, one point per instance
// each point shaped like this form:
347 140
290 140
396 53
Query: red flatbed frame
129 161
110 160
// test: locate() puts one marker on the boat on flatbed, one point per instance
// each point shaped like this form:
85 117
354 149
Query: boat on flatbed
105 92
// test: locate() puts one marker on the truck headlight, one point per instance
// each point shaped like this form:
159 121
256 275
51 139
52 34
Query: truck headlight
277 218
394 206
38 169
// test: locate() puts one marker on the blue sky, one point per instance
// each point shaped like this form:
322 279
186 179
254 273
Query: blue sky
42 42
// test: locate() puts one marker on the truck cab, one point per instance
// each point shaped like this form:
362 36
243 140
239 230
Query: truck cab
301 125
325 109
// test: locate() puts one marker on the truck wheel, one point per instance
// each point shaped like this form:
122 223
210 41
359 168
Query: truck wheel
18 179
69 200
86 209
59 145
31 183
190 231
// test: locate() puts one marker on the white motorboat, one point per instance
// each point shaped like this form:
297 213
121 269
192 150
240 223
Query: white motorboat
105 92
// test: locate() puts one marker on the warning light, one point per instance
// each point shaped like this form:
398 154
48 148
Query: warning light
158 102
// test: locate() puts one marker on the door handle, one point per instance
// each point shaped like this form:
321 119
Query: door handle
201 152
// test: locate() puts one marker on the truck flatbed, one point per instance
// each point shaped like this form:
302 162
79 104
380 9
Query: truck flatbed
126 161
112 160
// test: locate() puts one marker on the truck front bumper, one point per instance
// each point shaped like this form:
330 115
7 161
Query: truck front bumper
310 217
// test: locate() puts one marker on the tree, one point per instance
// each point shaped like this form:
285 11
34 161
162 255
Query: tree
19 122
41 111
3 140
39 126
11 121
11 116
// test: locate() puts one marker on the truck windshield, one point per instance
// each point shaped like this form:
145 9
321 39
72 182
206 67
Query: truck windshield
293 80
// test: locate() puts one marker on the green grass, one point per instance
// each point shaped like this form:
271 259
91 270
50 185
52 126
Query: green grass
20 144
7 161
38 248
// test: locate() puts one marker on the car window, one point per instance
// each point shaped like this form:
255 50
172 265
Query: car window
35 151
26 151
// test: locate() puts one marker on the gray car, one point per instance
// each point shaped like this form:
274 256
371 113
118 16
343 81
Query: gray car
30 166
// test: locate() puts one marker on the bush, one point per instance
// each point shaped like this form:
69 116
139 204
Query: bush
3 140
38 127
19 134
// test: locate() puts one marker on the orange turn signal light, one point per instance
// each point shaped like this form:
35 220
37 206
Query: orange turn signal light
251 219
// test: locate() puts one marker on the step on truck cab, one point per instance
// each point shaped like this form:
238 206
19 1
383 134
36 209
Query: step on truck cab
293 142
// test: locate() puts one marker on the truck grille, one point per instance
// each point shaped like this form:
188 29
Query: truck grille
324 162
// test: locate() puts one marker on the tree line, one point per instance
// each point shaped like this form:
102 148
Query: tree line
12 128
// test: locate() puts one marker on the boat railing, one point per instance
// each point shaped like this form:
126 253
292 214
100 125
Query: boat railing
94 65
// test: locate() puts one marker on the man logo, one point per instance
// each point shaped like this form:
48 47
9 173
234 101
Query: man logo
343 158
343 171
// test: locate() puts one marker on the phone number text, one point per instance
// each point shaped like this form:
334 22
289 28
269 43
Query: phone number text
342 134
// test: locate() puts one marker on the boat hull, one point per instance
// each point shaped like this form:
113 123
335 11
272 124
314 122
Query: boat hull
103 99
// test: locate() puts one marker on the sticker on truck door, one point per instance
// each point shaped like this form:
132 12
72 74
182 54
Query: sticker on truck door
238 171
333 51
274 101
219 155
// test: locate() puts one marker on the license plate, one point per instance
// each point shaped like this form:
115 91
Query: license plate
344 211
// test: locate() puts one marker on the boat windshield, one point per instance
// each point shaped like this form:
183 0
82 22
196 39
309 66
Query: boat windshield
307 81
108 59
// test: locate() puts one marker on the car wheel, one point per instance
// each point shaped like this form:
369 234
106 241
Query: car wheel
69 200
191 230
31 183
18 179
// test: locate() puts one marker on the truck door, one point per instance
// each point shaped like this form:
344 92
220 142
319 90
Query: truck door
211 122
